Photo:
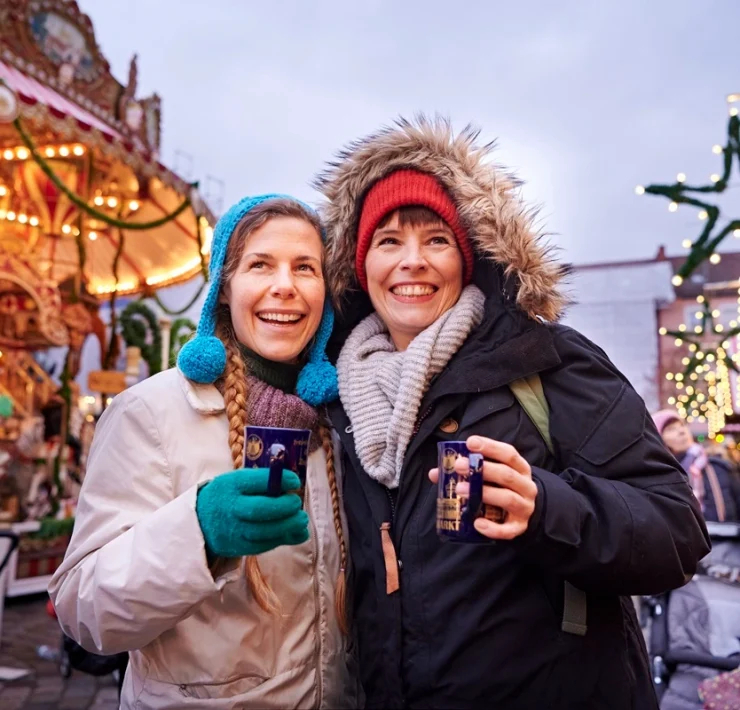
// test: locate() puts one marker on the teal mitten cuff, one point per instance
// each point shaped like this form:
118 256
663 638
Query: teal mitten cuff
237 518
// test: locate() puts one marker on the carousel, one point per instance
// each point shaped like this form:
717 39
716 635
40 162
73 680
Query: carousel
89 219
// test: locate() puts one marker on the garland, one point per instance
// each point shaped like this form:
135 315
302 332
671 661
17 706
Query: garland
135 319
82 204
679 193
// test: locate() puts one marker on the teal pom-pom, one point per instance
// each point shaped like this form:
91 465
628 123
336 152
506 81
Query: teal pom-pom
203 359
317 383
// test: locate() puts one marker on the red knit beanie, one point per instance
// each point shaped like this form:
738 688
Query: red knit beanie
405 188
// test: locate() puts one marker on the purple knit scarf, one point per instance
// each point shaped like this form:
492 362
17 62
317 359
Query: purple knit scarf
269 406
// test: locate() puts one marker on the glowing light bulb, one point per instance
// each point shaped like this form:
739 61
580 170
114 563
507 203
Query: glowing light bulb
10 216
78 150
8 155
66 229
703 214
112 202
669 375
698 314
681 177
34 221
716 149
686 243
677 342
685 361
715 258
92 236
719 328
50 152
673 206
22 153
99 201
733 111
677 280
639 190
736 233
699 355
134 205
671 400
662 331
3 190
64 151
715 313
714 177
700 299
697 329
23 219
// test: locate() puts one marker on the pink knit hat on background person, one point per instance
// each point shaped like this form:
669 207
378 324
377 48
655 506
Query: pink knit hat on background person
663 418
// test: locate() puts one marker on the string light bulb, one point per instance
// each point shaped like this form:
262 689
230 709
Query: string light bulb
714 177
703 214
677 280
673 206
8 155
99 201
715 258
716 149
50 152
78 150
22 153
686 243
133 205
700 299
662 331
34 221
64 151
639 190
92 236
681 177
682 327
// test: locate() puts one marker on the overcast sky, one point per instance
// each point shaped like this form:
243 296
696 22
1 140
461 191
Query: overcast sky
586 98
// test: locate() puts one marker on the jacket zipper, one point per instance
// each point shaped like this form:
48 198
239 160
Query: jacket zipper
317 597
392 563
420 420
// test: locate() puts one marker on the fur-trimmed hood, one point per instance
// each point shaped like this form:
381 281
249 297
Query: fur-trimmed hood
487 197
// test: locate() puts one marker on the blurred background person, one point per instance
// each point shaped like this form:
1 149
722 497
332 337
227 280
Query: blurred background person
711 476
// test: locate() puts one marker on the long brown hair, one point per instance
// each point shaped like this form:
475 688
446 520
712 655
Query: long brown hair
233 384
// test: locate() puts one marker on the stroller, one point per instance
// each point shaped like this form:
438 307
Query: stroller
694 631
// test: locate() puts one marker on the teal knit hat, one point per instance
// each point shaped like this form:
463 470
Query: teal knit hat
203 359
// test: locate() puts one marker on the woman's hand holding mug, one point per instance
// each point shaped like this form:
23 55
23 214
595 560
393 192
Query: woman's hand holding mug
510 487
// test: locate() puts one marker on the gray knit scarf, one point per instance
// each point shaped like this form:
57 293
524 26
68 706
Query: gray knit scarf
381 389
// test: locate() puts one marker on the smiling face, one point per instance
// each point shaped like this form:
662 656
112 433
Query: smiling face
275 291
677 437
414 273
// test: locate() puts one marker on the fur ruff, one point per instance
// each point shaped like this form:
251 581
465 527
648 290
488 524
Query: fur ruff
487 196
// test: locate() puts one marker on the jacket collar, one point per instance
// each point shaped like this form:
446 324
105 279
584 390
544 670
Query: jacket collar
205 399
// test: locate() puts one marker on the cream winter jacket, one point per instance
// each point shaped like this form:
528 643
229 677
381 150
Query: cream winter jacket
135 576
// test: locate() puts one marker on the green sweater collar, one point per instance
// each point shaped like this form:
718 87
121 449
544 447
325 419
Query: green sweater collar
281 375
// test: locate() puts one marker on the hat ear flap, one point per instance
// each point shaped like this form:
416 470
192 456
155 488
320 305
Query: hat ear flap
317 381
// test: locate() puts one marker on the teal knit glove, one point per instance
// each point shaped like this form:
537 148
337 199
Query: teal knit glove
238 518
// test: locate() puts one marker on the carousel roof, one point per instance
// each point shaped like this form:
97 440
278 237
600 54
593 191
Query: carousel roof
103 143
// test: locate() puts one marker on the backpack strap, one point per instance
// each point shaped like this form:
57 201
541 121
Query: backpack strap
531 396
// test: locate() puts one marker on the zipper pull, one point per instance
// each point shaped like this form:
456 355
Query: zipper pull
392 582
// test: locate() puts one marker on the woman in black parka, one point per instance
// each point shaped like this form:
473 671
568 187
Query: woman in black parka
447 298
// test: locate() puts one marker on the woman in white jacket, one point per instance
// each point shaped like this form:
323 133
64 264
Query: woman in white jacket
224 597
